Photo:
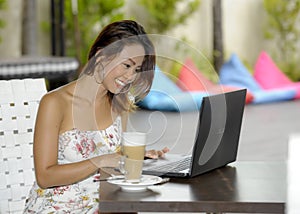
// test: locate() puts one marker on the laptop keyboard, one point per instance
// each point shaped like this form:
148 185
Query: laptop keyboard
175 166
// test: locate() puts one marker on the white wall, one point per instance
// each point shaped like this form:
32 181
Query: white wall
198 28
243 28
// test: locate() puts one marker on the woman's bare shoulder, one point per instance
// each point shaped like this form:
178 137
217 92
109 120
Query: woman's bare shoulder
62 93
58 98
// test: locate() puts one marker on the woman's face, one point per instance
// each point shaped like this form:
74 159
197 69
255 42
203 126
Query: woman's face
122 70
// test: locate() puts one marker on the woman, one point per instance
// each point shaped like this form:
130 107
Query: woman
78 125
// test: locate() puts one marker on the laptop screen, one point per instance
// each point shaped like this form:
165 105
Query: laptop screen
219 131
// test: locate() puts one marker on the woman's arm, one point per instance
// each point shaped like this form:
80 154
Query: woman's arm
48 172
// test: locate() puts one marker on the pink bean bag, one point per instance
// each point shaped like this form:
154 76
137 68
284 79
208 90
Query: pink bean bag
191 79
269 76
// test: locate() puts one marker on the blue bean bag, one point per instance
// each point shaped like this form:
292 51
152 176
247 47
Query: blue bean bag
234 73
165 95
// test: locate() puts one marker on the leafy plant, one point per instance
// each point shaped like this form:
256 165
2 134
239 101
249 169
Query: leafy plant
165 15
283 29
2 7
92 16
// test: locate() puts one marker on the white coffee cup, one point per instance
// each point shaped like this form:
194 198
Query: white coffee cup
133 152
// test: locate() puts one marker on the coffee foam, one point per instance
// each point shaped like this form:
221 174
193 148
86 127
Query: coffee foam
134 138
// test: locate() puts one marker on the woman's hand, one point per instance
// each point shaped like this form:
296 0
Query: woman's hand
155 154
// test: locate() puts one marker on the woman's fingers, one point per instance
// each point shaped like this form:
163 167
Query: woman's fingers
165 150
151 154
155 154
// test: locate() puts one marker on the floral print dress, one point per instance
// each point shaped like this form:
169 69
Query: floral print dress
81 197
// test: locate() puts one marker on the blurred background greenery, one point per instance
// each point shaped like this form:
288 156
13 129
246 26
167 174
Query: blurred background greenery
2 22
282 29
93 15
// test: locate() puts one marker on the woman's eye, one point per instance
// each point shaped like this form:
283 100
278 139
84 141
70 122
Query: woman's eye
138 70
126 65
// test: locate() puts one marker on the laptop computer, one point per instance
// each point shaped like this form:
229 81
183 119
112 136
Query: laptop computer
216 140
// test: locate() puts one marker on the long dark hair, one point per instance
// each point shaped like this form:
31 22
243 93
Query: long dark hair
111 41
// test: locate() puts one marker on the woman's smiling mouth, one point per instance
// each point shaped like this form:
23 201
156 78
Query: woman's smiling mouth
120 83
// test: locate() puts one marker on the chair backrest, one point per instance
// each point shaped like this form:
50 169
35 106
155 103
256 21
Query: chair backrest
19 100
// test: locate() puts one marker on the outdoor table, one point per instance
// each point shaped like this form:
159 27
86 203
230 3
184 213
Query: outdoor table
241 187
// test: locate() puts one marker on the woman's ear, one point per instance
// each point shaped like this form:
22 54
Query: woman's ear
99 56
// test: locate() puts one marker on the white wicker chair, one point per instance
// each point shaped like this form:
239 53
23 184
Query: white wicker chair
19 100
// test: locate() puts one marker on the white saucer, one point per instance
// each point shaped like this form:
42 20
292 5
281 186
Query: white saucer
146 180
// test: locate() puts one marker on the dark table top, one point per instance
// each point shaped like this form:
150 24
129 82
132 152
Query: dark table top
244 187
